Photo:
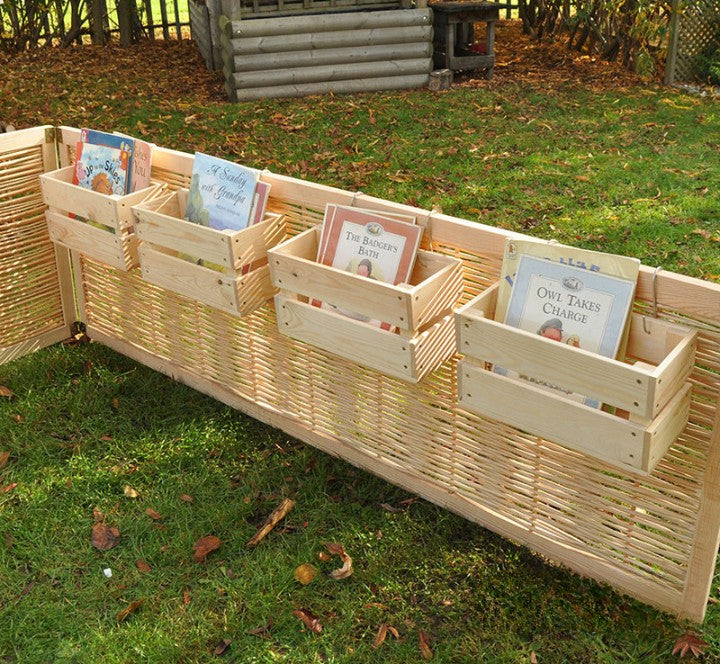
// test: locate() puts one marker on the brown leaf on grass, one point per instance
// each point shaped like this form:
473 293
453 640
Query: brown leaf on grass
323 556
4 456
310 620
262 630
6 392
9 487
155 516
347 568
142 566
187 499
424 643
130 608
305 573
689 643
129 492
221 648
204 546
97 514
390 508
533 657
115 403
104 537
106 438
187 597
18 418
394 632
380 636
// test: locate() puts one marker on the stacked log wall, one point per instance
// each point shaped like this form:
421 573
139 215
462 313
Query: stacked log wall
294 56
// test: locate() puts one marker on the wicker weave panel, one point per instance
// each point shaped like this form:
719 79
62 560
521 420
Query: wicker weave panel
654 537
30 300
699 26
642 528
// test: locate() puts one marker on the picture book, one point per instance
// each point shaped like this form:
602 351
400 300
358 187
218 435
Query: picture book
141 165
139 155
370 245
101 168
571 305
262 193
407 218
622 267
221 193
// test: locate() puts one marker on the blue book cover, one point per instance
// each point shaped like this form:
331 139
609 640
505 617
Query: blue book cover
122 143
570 305
221 193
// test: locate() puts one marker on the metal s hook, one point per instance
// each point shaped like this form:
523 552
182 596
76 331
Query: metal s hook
654 295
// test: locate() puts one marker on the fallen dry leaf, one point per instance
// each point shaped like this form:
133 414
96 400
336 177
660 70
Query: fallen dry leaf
204 546
104 537
142 566
18 418
310 620
323 556
347 568
424 645
9 487
262 630
277 515
533 657
6 392
394 632
380 636
221 648
130 608
187 597
115 403
305 573
4 456
130 492
97 514
106 438
689 643
155 516
187 499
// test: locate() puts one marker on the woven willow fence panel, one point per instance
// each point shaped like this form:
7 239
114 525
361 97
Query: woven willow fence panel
698 26
31 301
653 537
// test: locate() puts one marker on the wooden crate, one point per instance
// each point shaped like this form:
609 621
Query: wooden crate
233 276
653 389
111 239
421 309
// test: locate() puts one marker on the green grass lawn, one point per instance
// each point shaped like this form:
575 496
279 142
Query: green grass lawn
631 171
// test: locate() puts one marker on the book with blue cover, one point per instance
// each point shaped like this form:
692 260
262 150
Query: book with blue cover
222 193
570 305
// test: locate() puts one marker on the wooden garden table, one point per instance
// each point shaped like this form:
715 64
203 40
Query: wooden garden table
453 24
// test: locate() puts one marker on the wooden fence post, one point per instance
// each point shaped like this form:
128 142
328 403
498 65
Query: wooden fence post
673 44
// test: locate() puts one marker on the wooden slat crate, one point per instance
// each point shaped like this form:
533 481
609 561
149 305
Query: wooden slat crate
111 239
653 390
421 309
225 269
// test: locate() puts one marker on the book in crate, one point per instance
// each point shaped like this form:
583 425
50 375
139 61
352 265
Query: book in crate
420 310
650 387
226 269
372 245
110 238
